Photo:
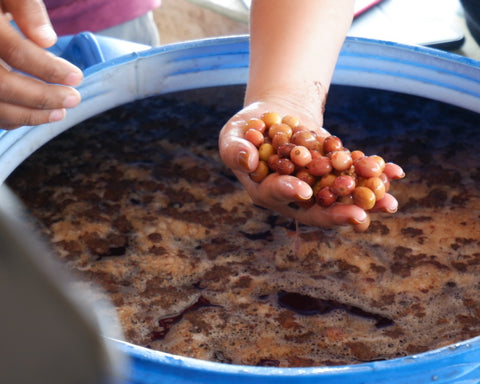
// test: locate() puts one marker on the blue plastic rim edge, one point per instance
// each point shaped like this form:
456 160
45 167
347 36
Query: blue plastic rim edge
458 363
123 75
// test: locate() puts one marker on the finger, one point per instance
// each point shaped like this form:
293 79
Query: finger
284 189
339 214
288 195
236 152
394 171
25 56
336 215
29 92
387 204
32 19
14 116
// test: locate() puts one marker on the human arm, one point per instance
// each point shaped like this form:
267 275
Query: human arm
294 48
35 85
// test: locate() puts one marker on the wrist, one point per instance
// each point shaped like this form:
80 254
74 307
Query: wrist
305 100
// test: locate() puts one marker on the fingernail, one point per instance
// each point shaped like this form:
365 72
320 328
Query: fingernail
71 101
303 198
387 210
355 221
306 203
56 115
74 78
46 32
243 160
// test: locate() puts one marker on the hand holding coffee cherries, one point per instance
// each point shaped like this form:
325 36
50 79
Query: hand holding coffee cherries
289 165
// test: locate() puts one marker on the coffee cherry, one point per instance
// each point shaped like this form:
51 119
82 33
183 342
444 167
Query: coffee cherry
307 139
343 185
380 161
315 153
320 166
345 200
255 137
325 197
285 167
299 128
341 160
265 151
272 162
257 124
292 121
368 166
357 155
271 118
279 139
283 128
306 176
300 155
375 184
326 181
332 143
284 150
260 172
364 198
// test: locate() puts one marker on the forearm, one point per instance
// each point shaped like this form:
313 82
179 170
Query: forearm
294 49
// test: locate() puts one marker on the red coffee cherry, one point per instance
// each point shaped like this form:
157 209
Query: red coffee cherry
320 166
343 185
332 143
325 197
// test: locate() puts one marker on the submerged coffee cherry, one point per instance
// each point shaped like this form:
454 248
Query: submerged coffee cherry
336 175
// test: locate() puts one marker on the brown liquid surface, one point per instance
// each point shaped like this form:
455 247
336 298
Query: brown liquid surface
138 202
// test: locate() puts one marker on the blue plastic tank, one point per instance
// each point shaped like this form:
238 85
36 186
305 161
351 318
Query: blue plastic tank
118 72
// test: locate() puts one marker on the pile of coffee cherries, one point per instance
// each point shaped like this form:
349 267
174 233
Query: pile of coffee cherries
335 174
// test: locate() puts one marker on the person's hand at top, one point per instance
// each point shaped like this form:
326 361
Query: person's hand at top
294 48
35 85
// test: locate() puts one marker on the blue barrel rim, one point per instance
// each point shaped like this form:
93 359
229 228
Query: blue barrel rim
185 61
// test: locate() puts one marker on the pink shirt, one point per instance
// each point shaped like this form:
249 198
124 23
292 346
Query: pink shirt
70 17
